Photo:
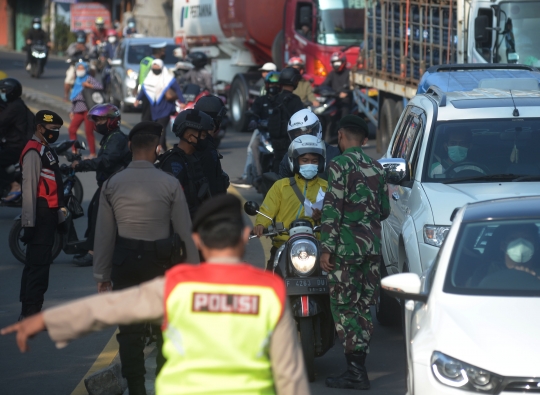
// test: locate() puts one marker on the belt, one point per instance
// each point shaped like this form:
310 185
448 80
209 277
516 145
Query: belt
140 245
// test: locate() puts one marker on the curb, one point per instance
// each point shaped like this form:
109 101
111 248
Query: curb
107 381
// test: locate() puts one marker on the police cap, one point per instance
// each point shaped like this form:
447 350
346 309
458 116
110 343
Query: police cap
354 122
48 117
146 127
218 209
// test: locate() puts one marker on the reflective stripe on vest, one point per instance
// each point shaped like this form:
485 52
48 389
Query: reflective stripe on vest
47 185
218 323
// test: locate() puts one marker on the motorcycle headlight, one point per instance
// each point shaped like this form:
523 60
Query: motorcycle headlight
303 255
435 234
455 373
267 144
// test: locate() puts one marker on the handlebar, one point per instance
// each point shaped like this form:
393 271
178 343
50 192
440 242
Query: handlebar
268 234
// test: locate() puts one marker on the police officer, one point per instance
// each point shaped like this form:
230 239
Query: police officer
158 52
36 33
192 127
354 205
198 75
133 237
210 158
113 155
229 329
43 196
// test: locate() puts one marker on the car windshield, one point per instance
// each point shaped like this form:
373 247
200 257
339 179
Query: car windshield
484 150
340 22
519 38
136 53
496 258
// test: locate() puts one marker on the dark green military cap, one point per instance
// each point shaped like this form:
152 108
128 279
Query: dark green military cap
354 122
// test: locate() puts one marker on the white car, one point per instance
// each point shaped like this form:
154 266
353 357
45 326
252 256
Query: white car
450 149
472 320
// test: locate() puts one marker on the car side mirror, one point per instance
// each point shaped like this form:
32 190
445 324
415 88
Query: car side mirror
116 62
251 208
396 170
481 24
406 286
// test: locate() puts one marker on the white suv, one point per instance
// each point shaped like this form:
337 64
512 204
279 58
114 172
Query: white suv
450 149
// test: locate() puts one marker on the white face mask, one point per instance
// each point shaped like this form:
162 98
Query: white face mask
80 73
520 250
308 171
112 39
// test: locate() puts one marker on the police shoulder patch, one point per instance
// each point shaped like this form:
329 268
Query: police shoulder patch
176 168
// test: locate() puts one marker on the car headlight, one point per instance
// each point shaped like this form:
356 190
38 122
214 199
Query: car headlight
455 373
130 83
435 234
132 74
303 256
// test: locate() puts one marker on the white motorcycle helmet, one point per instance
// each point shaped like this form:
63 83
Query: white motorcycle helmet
304 122
306 144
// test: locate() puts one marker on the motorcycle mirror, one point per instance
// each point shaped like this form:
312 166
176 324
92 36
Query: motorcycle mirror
80 145
251 208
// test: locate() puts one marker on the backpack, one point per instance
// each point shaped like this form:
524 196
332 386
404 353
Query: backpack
278 119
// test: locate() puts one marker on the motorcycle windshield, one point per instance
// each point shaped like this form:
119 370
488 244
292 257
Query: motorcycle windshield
520 42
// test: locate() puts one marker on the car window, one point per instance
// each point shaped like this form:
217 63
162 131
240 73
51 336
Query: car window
411 131
496 258
399 132
137 52
478 148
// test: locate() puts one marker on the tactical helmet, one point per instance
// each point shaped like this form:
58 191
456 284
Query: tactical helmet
106 110
192 119
338 61
11 87
198 59
289 76
306 144
212 106
304 122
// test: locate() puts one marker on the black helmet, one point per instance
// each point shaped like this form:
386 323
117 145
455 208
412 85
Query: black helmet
192 119
11 87
36 20
81 36
198 59
289 76
213 106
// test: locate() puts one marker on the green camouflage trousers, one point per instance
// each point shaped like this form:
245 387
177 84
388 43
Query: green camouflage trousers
354 286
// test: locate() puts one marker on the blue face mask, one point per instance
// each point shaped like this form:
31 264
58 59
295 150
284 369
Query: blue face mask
457 153
36 26
3 96
308 171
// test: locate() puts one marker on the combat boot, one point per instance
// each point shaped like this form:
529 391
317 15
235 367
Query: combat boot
355 377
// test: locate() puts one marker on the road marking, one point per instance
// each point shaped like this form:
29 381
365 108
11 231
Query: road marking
103 360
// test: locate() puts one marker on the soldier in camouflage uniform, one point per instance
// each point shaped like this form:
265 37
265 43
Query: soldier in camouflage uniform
355 204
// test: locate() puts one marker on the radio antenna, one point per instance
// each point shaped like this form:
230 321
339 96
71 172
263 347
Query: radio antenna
516 111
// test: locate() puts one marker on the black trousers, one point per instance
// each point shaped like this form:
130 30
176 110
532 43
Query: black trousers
163 139
35 276
146 113
92 221
8 157
130 268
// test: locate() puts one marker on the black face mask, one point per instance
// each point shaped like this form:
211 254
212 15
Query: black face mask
273 90
102 128
201 144
157 71
51 135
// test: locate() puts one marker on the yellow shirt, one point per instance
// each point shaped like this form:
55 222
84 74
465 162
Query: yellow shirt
282 204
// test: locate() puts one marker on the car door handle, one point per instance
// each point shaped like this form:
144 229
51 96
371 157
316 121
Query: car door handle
395 196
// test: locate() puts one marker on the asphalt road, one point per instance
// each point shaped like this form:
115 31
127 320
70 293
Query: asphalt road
48 371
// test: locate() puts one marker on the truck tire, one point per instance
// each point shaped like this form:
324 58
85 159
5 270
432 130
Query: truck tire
387 309
307 339
386 125
277 50
238 95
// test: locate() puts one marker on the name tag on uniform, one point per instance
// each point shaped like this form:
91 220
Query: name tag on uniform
51 158
225 303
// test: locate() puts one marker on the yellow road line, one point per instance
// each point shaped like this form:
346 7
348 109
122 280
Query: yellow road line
103 360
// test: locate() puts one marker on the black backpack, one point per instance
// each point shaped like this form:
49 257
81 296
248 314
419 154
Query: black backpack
278 119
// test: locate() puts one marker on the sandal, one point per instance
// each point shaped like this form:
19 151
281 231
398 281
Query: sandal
12 197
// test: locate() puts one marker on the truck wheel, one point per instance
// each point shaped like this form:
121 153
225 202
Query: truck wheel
386 126
388 309
305 325
277 50
18 249
238 99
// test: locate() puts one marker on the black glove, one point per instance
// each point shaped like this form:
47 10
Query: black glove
28 235
62 227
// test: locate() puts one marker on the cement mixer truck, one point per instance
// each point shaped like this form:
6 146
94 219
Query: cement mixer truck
241 35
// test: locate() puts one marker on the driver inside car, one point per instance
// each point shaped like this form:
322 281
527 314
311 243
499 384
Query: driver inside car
456 145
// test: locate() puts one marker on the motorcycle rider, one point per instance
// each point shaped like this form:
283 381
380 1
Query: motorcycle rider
112 43
130 29
13 132
304 90
301 123
99 33
260 107
265 69
198 75
76 50
113 155
192 127
339 80
306 157
36 33
210 158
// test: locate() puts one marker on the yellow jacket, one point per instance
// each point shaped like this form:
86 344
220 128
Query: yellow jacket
282 204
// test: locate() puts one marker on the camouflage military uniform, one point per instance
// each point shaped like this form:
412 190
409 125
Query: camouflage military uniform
354 206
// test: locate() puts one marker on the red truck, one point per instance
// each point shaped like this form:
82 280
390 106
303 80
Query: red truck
241 35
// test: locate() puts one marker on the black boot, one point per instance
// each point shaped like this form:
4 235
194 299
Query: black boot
136 386
355 377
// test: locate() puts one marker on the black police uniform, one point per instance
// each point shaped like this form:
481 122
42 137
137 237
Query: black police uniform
13 134
210 160
113 155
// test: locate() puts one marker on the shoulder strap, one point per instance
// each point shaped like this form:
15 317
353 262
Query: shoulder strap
296 190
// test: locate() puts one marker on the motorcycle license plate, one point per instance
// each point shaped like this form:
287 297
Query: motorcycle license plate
304 286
